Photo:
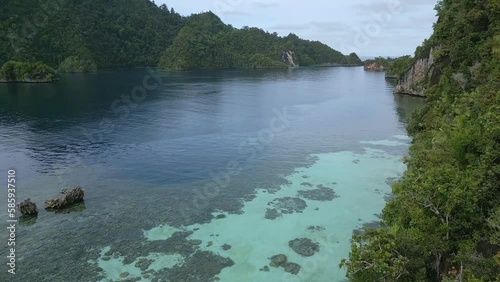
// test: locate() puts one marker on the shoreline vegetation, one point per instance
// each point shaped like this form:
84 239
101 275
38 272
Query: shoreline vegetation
140 33
443 223
20 72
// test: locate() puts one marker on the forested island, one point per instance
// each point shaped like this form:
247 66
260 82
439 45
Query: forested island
84 36
444 221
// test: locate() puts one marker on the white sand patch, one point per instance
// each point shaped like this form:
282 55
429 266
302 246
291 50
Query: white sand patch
162 232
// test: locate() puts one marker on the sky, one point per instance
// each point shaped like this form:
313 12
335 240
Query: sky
368 27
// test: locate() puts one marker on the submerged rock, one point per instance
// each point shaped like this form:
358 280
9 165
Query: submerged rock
322 193
289 205
27 208
304 246
70 197
226 247
278 260
196 242
124 274
143 264
272 214
201 266
292 268
315 228
265 268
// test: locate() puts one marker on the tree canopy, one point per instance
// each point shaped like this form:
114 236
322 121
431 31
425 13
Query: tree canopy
89 34
444 221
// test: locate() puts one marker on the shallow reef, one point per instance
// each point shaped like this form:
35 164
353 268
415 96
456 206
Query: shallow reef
288 205
322 193
304 246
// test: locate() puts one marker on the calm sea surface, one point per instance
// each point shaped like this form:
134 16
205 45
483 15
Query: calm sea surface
161 154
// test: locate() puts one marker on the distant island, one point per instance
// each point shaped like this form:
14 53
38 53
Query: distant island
91 35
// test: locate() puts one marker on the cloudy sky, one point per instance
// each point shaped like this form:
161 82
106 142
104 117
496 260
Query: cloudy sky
367 27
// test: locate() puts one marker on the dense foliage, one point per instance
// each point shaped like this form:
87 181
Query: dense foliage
25 72
206 42
76 35
398 67
112 33
444 221
75 64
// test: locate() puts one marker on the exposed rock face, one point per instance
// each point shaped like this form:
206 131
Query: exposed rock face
418 77
70 197
290 58
374 67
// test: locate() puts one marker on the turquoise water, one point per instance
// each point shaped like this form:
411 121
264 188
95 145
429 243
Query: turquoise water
248 160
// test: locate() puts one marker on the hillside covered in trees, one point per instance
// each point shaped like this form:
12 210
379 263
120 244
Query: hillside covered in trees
76 36
206 42
444 221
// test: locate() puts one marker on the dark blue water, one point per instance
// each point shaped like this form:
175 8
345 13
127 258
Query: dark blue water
141 141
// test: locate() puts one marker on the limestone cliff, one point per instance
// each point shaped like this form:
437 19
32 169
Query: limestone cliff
290 58
420 75
374 66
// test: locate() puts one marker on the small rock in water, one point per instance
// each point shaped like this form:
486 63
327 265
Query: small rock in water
220 216
27 208
226 247
70 197
210 243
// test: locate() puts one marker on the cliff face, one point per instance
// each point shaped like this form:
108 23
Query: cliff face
420 75
290 58
374 67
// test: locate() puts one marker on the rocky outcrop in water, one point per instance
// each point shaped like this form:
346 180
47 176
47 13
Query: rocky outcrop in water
374 67
70 197
420 75
27 208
